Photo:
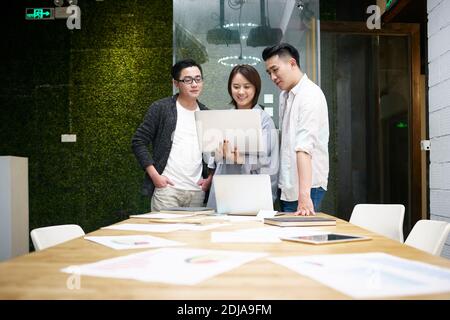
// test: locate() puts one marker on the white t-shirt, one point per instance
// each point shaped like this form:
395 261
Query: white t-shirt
184 166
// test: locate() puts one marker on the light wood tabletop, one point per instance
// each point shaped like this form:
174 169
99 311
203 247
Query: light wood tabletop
37 275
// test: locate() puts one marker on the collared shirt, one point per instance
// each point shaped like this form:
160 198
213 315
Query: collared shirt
303 115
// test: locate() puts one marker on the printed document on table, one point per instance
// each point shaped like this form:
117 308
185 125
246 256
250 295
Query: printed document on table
133 242
371 275
236 218
242 237
204 227
285 231
167 227
262 235
145 227
161 215
181 266
266 214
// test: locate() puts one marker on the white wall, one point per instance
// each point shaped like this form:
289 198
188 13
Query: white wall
13 207
439 110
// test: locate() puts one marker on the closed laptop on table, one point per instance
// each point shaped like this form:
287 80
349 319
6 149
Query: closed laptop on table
299 221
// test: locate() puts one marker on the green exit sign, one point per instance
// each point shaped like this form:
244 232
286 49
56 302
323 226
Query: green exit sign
39 14
402 125
390 4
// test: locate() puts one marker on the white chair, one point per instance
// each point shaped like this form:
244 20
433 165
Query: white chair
429 236
50 236
384 219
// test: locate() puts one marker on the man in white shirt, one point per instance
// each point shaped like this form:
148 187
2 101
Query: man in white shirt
303 116
175 171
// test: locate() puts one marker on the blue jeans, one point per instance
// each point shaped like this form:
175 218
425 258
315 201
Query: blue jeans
317 195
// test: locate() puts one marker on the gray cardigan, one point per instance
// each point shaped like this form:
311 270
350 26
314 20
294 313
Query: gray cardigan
157 131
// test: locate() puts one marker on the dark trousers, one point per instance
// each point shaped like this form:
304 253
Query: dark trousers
317 195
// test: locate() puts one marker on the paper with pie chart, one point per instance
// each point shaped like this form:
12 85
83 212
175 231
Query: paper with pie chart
133 242
181 266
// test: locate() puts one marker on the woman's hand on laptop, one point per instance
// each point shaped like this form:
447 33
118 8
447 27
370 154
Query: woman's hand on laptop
238 159
218 153
232 157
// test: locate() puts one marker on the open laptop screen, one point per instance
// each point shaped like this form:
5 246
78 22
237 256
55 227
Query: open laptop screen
243 194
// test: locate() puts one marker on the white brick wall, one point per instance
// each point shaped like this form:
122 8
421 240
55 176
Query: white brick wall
438 43
441 150
439 203
439 110
439 177
431 4
439 69
446 249
439 128
439 95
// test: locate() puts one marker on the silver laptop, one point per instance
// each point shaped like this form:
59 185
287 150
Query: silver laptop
241 127
243 194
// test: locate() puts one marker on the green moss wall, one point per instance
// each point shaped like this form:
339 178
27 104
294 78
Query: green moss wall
96 82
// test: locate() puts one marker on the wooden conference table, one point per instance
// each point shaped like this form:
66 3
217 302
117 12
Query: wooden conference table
37 275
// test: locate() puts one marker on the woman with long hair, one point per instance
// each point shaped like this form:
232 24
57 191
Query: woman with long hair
244 86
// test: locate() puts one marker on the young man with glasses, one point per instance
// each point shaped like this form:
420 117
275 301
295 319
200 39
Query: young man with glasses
303 116
175 174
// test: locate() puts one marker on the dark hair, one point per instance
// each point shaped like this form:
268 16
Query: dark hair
249 73
282 49
183 64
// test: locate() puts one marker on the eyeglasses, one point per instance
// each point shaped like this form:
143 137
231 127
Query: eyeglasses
189 80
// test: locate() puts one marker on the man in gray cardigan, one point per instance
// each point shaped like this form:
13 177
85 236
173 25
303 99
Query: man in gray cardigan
175 174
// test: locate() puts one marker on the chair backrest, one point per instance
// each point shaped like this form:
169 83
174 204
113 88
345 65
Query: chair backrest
384 219
429 236
50 236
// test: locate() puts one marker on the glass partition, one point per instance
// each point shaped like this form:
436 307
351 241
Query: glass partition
222 33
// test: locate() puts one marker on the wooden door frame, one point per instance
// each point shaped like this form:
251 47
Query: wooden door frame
412 31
